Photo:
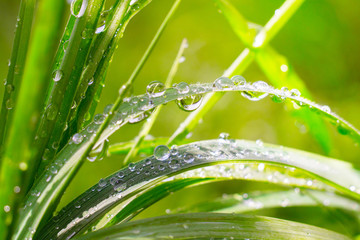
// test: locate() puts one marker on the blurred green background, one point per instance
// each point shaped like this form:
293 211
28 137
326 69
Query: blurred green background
321 41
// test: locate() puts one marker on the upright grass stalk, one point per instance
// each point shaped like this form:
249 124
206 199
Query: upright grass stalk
65 76
282 15
16 68
86 110
18 169
151 120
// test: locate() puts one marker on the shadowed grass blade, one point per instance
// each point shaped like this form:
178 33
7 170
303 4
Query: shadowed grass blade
214 225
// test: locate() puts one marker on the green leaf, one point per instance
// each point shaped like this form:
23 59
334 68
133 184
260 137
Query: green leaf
230 159
241 203
18 169
213 225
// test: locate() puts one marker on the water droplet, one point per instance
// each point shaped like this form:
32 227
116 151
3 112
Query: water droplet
238 80
51 112
7 208
183 88
102 182
189 158
326 109
132 167
182 59
285 202
173 150
295 93
107 109
57 75
10 88
77 138
174 164
224 136
161 152
189 103
99 118
223 83
9 104
352 188
91 81
23 166
17 189
260 86
78 7
155 89
259 143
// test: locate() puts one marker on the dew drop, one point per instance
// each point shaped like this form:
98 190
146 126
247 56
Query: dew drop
284 67
51 112
161 152
77 138
238 80
102 182
183 88
189 158
173 150
224 136
9 104
223 83
189 103
57 75
78 7
99 118
155 89
295 93
256 96
9 88
182 59
132 167
174 164
7 208
326 109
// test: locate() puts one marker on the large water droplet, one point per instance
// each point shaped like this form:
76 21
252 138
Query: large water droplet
223 83
326 109
189 103
155 89
57 75
189 158
99 118
77 138
161 152
78 7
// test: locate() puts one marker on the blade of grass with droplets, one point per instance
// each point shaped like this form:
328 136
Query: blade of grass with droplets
308 171
276 67
86 33
88 105
236 203
16 64
240 63
151 120
242 203
17 169
55 179
68 69
214 225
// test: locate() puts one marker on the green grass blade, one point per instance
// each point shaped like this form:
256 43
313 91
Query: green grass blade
88 105
18 169
214 225
239 203
146 146
273 26
76 76
66 74
151 120
242 61
309 171
17 64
